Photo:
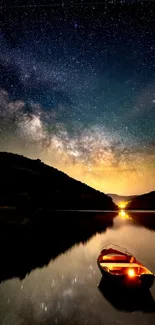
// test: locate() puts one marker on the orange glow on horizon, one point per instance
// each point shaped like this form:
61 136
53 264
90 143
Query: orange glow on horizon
122 205
102 177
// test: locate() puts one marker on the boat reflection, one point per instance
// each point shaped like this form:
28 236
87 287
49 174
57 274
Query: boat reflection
126 299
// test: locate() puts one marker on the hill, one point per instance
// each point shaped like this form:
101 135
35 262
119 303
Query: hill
143 202
31 184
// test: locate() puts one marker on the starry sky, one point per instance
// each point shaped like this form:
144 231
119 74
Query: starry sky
77 89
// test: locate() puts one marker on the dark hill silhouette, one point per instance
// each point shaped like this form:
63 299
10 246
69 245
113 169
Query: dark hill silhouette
30 184
143 202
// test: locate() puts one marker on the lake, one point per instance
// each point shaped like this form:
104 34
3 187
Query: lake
67 289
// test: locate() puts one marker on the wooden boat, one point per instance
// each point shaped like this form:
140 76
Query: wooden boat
120 267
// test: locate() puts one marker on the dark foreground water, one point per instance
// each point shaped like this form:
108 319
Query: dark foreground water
66 290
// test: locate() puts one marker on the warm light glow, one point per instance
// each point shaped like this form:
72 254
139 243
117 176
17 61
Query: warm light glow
122 205
131 273
123 215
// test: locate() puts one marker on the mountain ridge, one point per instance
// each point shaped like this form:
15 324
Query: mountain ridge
145 201
29 182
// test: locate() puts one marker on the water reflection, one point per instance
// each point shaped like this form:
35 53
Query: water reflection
124 215
146 219
137 218
61 259
128 300
26 247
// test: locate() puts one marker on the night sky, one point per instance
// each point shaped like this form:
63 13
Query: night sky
77 90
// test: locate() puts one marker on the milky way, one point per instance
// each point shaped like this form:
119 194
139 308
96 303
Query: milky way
77 89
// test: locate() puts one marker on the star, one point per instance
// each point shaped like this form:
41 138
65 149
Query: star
77 90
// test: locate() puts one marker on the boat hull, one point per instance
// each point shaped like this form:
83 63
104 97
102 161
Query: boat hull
113 258
143 281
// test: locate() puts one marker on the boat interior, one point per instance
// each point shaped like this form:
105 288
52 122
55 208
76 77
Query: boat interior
122 264
117 258
131 269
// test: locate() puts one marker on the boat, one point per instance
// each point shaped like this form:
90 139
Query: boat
120 267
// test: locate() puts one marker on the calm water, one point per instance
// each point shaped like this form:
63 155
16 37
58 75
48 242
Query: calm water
66 290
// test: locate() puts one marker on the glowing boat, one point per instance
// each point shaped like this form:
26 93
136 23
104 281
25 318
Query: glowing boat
120 267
